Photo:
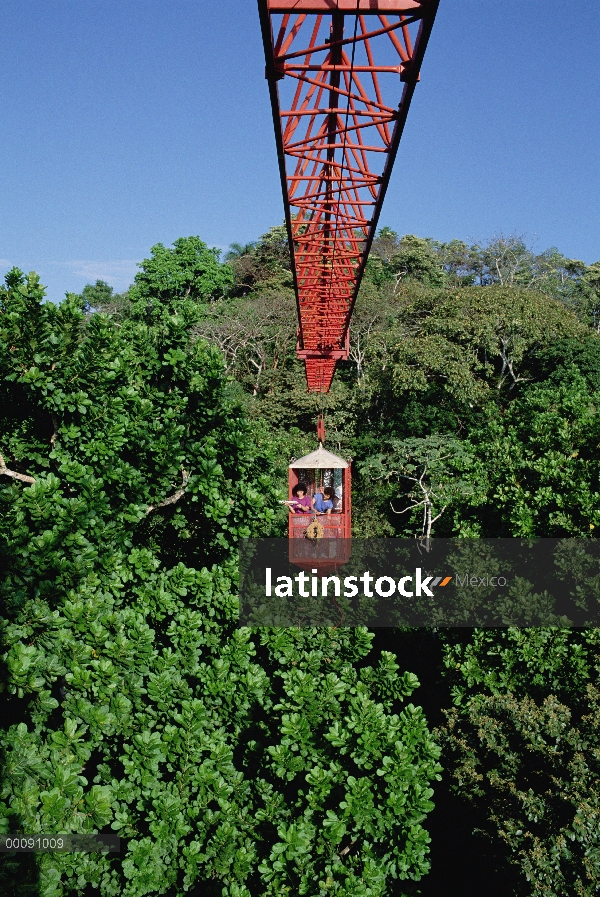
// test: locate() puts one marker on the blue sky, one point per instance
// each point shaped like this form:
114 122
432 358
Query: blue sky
132 122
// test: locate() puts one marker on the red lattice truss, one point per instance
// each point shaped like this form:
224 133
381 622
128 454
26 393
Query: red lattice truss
335 69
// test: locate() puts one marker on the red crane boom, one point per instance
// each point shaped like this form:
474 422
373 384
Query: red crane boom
334 68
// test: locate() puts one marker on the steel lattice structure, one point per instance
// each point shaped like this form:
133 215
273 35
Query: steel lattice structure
335 69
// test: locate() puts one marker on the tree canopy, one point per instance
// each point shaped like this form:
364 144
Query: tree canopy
143 434
241 762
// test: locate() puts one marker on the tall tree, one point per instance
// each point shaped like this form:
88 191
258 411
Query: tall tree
188 270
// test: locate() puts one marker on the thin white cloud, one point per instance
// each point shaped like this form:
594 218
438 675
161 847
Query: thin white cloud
119 273
4 263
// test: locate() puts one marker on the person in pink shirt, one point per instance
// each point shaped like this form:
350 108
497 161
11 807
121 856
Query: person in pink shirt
302 502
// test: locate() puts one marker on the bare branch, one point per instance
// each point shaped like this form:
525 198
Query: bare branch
55 433
410 507
13 473
345 850
437 517
172 498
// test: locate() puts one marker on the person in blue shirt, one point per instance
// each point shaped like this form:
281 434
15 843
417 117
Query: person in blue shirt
323 500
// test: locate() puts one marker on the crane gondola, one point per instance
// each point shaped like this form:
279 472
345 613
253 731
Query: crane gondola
329 547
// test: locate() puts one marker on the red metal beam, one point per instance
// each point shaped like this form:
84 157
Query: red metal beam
334 73
350 6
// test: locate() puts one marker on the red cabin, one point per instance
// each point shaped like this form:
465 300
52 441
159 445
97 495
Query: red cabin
331 547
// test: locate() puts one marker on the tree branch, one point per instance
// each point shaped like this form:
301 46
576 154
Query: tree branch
342 853
437 517
13 473
410 507
172 498
55 425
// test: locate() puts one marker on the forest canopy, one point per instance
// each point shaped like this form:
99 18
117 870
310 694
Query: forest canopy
143 434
